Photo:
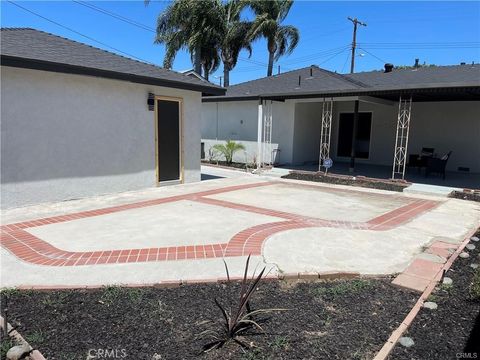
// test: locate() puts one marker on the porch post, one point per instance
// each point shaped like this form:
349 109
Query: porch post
401 137
354 136
259 134
325 131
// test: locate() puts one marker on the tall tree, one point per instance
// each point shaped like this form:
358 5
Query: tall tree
281 39
191 25
233 36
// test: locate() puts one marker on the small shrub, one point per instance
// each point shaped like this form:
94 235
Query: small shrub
228 149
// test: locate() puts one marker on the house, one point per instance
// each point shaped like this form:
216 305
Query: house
79 121
305 116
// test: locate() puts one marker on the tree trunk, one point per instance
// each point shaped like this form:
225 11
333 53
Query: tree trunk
205 73
226 75
270 63
197 65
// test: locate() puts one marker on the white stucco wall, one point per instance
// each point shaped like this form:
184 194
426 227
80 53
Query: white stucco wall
68 136
238 121
445 126
242 156
306 139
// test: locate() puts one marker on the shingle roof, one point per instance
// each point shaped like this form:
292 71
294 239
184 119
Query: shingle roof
422 76
311 78
314 80
30 48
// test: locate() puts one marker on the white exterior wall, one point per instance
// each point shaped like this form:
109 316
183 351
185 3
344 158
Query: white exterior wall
306 139
69 136
445 126
237 120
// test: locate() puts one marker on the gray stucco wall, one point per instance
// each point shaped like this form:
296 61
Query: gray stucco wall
69 136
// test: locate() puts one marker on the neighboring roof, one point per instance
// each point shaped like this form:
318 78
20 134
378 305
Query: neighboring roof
194 74
317 82
34 49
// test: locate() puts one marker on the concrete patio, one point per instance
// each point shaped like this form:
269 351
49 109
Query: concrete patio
185 232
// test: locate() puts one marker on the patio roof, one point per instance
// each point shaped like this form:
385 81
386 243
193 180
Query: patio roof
439 83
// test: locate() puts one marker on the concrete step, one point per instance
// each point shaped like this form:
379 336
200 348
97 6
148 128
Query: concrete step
426 189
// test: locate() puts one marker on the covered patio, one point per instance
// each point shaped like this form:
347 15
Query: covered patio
385 136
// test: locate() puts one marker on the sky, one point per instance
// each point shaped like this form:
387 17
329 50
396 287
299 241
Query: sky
436 32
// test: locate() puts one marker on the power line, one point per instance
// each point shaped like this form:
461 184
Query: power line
345 63
116 16
330 58
375 56
78 33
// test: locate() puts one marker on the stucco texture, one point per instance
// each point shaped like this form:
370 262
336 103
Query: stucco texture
445 126
69 136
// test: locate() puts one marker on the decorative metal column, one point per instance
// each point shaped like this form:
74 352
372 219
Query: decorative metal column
326 131
401 139
267 133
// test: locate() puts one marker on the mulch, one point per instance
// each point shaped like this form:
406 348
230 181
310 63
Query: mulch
466 195
452 331
391 185
342 319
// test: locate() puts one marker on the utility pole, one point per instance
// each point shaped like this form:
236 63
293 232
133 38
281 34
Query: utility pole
355 22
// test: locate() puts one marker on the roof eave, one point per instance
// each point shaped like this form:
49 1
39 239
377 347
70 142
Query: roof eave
26 63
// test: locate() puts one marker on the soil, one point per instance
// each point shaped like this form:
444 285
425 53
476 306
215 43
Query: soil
343 319
452 331
234 165
466 195
361 181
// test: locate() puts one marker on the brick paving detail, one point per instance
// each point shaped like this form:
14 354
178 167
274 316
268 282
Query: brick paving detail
34 250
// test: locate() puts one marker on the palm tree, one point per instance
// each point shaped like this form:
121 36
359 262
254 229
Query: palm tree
191 25
233 36
281 39
228 149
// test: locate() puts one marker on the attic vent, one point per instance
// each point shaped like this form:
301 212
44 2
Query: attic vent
388 67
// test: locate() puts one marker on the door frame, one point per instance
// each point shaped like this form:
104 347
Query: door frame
369 143
179 100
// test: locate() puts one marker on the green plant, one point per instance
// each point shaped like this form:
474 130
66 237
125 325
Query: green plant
343 287
5 345
239 318
279 343
475 285
53 299
112 293
37 337
228 149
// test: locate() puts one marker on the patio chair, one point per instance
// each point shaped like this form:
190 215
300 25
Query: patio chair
437 165
420 161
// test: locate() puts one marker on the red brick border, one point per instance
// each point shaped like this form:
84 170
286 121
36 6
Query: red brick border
32 249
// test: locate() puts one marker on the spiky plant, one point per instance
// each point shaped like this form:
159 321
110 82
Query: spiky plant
239 318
